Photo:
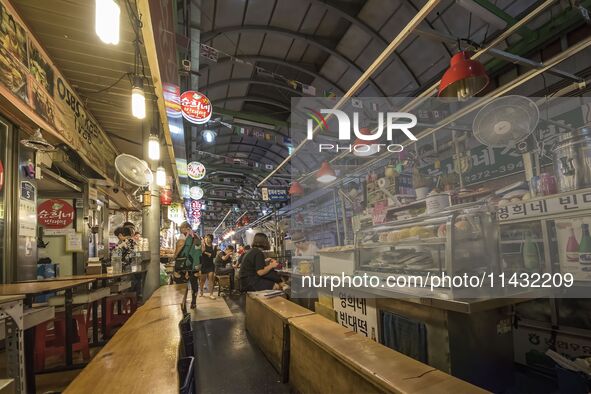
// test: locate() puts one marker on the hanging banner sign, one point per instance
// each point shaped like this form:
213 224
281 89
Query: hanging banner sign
196 193
55 213
196 107
274 194
196 170
172 99
175 213
165 196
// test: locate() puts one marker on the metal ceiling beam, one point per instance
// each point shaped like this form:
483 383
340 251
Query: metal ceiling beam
251 116
252 82
405 32
558 25
242 143
254 99
267 59
325 45
339 10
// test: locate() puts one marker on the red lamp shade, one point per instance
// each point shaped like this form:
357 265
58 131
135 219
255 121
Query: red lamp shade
363 148
464 78
325 174
296 189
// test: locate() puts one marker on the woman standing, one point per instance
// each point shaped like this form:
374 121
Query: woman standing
256 272
187 258
207 266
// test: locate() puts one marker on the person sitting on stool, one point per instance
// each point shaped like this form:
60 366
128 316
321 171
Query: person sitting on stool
224 264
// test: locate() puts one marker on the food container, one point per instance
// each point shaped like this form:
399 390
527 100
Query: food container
547 184
421 192
572 160
437 202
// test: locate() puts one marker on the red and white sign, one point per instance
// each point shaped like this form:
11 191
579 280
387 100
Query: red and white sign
55 213
196 107
196 170
165 196
195 212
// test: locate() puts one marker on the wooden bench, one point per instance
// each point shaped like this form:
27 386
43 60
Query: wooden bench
327 357
267 323
142 356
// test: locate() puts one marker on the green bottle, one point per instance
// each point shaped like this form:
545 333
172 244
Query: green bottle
531 254
585 246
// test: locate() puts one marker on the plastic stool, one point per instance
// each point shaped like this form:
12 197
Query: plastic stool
53 342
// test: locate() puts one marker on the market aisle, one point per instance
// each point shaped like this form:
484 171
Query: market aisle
227 360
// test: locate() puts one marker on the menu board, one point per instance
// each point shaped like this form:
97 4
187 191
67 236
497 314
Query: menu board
358 314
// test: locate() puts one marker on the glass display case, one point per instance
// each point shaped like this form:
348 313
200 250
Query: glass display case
453 242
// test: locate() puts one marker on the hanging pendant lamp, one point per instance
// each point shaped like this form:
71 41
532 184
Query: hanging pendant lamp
296 189
325 174
464 78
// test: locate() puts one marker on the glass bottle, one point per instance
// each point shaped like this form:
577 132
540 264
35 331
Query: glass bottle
531 253
373 334
585 246
572 247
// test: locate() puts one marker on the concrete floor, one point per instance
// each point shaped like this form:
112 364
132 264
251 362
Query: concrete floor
228 361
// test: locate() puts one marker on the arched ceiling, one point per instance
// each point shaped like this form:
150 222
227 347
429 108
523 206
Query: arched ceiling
327 44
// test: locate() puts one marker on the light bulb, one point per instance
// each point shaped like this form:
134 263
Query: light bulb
161 176
138 101
154 148
107 15
209 136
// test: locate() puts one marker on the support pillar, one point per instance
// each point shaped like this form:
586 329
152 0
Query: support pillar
151 231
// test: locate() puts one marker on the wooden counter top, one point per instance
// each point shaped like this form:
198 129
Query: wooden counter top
167 295
388 369
11 298
39 287
85 276
280 306
142 356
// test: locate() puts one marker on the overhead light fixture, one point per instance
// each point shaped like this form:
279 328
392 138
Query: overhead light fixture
325 174
154 147
296 189
363 148
161 176
464 78
107 15
138 101
209 136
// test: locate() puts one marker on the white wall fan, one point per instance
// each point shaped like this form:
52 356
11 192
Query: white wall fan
134 172
506 121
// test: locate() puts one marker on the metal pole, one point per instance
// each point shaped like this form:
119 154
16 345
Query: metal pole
345 229
151 231
336 216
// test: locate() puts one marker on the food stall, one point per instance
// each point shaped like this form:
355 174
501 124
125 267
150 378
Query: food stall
510 212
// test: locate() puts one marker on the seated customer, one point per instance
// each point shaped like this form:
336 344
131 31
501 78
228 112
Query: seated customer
256 272
224 264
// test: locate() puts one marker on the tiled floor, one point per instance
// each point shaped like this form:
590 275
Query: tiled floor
227 359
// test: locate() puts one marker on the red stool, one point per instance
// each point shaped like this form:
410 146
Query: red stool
128 302
53 342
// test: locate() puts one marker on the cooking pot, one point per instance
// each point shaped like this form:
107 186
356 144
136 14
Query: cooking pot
572 160
437 202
